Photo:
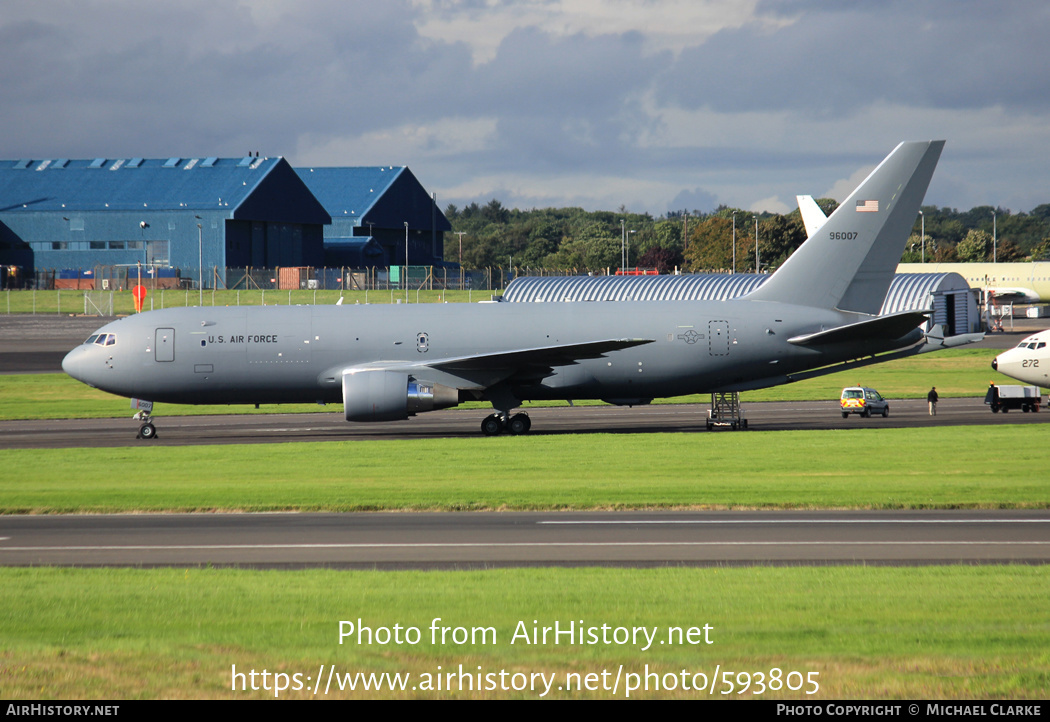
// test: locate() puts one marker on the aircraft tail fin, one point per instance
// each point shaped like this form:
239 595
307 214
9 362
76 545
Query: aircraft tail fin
849 263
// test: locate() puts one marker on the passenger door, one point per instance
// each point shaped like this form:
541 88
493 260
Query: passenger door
164 348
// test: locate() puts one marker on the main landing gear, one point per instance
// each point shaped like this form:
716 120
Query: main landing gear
496 424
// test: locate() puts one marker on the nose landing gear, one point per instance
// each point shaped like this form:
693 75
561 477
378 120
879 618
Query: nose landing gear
144 414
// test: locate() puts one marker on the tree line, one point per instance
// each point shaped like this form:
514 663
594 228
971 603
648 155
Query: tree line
490 235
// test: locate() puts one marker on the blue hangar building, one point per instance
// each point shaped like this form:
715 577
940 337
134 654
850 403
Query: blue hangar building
371 208
231 212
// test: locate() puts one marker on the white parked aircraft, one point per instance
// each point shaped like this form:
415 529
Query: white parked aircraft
1028 361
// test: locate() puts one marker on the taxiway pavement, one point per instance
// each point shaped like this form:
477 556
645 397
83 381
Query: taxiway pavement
486 539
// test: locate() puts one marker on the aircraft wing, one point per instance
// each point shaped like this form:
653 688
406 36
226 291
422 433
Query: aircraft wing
889 327
1022 295
481 371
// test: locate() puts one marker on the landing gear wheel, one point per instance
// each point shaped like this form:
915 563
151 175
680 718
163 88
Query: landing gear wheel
147 431
492 425
519 424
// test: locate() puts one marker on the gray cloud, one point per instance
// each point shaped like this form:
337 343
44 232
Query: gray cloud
837 58
793 101
696 199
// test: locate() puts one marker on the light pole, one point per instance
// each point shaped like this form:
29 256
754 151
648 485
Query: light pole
460 234
758 268
623 245
923 237
406 261
734 241
145 252
994 245
629 246
200 263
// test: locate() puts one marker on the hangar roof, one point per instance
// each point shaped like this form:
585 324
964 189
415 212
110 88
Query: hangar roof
202 184
385 196
350 191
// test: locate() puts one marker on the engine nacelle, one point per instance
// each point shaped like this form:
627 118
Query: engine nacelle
378 395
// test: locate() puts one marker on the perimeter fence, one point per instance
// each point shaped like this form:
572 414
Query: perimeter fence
372 278
107 290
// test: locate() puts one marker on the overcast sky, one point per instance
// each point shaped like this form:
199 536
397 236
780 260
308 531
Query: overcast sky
654 105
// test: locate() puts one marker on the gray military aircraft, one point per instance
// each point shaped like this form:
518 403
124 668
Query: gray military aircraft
385 363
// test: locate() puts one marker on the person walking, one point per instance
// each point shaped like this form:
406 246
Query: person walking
931 399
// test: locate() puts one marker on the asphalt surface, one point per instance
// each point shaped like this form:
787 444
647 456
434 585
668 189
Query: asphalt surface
480 540
457 423
37 345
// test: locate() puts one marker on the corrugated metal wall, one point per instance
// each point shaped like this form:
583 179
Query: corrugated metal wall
908 292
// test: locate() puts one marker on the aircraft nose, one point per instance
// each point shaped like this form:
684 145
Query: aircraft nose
75 363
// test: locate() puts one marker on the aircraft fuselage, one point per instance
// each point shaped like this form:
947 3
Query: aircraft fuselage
232 355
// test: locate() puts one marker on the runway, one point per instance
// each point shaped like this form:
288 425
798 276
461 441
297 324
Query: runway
481 540
457 423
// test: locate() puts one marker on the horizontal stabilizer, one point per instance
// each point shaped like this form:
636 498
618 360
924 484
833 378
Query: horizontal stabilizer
888 327
936 340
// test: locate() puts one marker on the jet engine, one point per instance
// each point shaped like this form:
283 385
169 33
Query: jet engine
378 395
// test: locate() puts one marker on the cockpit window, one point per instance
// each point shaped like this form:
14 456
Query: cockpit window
103 339
92 339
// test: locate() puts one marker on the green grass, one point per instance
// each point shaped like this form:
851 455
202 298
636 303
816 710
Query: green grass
939 467
955 373
72 301
920 633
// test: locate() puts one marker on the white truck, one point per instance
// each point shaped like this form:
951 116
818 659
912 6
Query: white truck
1004 398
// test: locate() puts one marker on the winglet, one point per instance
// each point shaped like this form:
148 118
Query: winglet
850 262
